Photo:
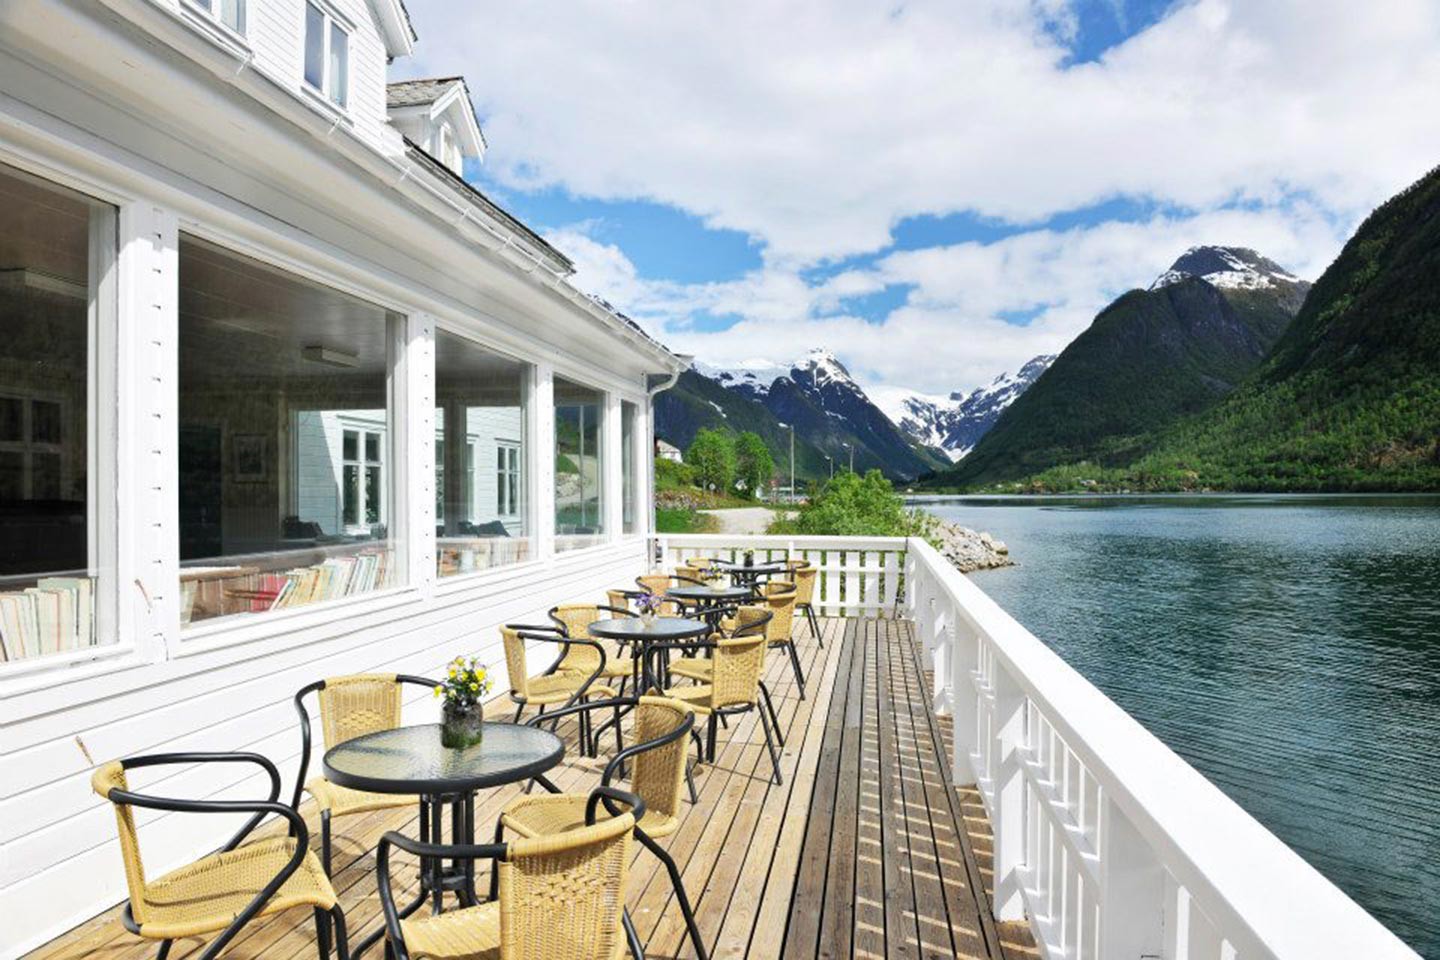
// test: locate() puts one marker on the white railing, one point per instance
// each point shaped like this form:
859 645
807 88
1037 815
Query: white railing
1111 845
858 576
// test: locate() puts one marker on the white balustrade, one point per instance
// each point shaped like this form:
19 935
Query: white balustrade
1106 841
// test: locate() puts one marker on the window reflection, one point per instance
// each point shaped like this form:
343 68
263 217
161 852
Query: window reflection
579 487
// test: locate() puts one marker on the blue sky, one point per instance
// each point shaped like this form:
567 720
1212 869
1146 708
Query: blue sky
937 191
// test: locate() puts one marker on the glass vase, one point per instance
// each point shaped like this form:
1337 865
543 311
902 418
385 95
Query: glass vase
462 727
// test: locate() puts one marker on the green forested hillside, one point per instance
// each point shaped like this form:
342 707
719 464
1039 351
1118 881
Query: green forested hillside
1350 396
1150 358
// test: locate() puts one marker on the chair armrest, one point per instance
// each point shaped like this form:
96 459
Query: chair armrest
610 796
487 851
554 715
168 759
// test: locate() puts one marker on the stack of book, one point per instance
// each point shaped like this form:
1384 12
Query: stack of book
54 616
334 578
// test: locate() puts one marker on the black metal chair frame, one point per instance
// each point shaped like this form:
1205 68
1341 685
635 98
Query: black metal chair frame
395 942
323 918
616 766
769 719
548 633
305 741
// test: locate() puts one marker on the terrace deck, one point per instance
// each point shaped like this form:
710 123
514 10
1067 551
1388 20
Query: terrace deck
865 851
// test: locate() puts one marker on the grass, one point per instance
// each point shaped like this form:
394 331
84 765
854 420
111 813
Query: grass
683 520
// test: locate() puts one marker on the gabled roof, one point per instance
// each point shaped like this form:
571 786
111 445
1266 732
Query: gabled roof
440 96
395 27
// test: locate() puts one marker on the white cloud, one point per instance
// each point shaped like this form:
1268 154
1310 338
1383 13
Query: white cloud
814 127
953 332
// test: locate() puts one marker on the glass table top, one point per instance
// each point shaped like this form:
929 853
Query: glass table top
413 760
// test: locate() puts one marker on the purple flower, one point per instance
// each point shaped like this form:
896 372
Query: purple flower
647 603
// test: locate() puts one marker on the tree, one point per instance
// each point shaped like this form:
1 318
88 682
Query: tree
851 505
753 464
712 455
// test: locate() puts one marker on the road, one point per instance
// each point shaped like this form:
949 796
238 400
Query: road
741 520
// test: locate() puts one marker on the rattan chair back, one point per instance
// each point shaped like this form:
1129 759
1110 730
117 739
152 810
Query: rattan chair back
109 777
738 663
358 704
575 619
780 597
804 579
562 895
618 598
515 663
658 774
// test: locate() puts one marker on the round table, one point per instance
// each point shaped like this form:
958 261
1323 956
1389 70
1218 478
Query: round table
637 631
412 760
749 574
709 600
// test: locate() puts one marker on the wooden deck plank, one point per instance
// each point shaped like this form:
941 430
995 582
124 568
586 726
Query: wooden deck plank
861 852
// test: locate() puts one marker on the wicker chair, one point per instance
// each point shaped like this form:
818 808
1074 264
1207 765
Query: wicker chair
804 576
556 686
226 890
349 707
574 621
744 621
780 596
735 685
658 771
561 896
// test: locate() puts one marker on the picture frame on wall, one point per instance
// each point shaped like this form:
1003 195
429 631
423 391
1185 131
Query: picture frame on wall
249 465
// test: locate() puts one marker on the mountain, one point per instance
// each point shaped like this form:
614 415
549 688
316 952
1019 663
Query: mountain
816 394
956 423
1349 399
698 402
1149 359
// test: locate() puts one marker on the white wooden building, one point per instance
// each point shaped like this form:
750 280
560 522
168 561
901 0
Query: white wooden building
281 397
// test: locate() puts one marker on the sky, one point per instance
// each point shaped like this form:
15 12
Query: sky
938 190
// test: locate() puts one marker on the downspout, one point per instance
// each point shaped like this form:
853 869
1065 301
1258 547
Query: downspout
657 383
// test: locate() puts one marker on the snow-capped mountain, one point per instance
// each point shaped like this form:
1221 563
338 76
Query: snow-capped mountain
957 422
824 403
1232 268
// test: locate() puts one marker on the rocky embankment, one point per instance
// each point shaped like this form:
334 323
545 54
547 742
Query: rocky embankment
969 550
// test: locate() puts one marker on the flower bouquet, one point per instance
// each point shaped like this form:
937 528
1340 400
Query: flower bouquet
462 716
648 606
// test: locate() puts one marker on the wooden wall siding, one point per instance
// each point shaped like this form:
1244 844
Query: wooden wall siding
748 849
59 861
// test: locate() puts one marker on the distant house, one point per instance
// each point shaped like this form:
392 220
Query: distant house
280 392
668 451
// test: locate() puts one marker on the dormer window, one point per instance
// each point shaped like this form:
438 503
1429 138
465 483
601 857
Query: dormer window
327 55
228 13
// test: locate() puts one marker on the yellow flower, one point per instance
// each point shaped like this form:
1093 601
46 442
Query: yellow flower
439 689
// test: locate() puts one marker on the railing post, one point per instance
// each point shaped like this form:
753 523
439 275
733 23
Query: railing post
1132 889
965 703
1008 815
942 653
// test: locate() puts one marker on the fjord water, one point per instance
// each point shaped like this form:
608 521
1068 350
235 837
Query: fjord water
1286 646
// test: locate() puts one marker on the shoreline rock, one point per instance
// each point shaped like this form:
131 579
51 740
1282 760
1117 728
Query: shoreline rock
969 550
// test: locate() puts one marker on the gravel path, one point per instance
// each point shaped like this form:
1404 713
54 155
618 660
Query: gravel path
741 520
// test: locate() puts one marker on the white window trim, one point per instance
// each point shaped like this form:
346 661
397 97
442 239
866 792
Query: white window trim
210 19
509 477
330 18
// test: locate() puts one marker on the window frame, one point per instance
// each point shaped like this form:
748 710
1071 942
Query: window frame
331 22
508 474
210 12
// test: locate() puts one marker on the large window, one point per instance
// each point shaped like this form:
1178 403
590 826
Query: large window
579 474
628 464
286 436
480 425
55 248
230 13
327 55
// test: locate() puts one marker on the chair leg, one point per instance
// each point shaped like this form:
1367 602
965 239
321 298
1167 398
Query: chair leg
679 886
814 625
774 717
342 942
770 745
495 866
637 949
795 664
164 950
690 780
619 740
519 710
322 933
325 841
711 731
